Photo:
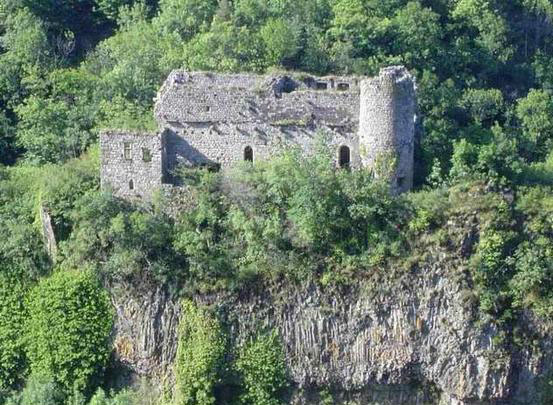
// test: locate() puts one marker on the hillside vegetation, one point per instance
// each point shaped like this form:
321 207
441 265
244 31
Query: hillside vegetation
69 69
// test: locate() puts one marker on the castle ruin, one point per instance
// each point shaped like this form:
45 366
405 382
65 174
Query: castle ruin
209 119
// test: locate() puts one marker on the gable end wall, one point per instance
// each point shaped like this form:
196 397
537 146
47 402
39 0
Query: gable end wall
116 171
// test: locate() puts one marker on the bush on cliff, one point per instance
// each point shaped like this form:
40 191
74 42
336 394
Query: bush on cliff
262 369
292 216
67 332
41 390
200 352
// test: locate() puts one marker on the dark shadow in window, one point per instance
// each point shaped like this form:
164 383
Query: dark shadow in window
146 155
131 185
127 150
344 157
248 154
322 85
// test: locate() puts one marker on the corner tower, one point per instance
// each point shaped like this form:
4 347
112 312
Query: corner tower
387 126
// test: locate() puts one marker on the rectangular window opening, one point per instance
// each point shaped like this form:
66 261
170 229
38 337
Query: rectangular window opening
146 155
322 85
127 150
343 86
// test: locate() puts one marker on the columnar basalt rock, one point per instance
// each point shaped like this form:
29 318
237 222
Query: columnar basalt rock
221 119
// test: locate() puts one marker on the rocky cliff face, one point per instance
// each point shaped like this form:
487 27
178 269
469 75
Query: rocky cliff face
401 337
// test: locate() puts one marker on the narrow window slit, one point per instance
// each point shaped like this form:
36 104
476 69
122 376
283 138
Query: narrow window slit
127 150
344 157
248 154
146 155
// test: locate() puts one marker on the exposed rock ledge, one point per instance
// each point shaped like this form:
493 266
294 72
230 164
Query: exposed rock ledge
374 345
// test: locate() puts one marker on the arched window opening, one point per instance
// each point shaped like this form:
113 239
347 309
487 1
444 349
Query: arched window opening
248 154
344 158
131 185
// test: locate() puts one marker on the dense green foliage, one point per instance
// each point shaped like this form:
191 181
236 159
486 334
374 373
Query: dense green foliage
12 318
38 390
70 68
201 347
67 330
478 63
263 370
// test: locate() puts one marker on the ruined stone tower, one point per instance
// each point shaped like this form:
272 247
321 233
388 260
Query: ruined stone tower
217 120
387 126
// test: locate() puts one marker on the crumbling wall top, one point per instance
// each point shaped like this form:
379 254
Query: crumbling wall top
213 97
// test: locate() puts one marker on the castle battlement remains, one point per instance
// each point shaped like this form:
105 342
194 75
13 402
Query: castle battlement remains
220 119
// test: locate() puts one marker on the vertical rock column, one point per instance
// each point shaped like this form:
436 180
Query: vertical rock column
387 126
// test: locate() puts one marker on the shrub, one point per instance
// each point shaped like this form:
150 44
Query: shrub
12 317
144 395
62 186
263 370
201 347
533 281
41 390
68 329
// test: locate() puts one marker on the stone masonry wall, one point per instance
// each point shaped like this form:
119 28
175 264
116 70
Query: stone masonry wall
207 118
213 118
197 144
387 125
130 174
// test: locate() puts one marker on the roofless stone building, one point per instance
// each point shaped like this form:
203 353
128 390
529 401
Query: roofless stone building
220 119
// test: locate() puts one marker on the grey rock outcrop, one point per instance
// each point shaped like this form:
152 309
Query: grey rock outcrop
377 344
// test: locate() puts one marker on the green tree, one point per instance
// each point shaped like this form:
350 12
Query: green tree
225 48
418 38
490 26
22 254
12 318
199 356
187 18
262 369
56 122
535 113
484 106
7 139
133 63
41 390
25 51
281 41
67 332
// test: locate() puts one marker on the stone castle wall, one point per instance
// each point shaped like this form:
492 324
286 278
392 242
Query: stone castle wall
131 163
221 119
212 119
387 126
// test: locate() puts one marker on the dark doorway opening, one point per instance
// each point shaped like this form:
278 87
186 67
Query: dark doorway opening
344 158
248 154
